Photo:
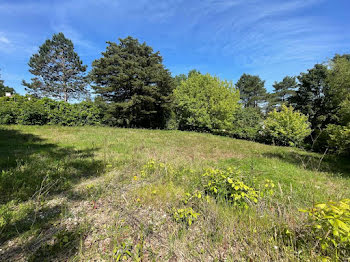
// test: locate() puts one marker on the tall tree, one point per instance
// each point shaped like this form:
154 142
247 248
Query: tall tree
312 98
339 78
58 70
252 90
182 77
345 56
282 91
4 89
131 77
179 78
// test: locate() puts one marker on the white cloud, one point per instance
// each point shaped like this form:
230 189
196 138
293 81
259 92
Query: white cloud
4 40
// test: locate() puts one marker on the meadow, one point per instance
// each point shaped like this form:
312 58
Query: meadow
114 194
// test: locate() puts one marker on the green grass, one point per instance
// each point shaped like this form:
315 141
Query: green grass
76 193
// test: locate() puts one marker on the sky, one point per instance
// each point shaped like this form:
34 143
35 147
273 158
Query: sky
226 38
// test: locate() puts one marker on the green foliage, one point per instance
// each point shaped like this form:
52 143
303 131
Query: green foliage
58 70
312 97
282 91
339 79
339 138
268 188
126 251
188 198
226 185
287 127
131 77
204 102
330 223
9 110
185 215
344 111
251 90
247 124
27 110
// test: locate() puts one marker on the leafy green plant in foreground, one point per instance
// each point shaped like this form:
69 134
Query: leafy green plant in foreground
330 223
227 185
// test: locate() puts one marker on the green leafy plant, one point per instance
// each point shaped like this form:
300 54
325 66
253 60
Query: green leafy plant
330 223
226 184
268 188
188 198
247 124
287 127
185 215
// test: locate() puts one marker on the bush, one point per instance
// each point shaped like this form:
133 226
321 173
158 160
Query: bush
287 127
9 111
247 124
27 110
339 138
32 112
206 103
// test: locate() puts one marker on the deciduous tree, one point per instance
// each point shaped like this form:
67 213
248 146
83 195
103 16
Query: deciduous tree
287 127
204 102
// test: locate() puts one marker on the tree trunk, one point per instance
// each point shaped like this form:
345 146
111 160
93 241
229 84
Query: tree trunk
65 96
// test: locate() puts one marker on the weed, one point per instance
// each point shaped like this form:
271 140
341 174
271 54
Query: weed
185 215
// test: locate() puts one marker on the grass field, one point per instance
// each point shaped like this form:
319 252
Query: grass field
99 193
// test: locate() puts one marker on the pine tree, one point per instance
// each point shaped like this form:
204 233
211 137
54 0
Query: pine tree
252 90
58 70
312 97
133 80
282 92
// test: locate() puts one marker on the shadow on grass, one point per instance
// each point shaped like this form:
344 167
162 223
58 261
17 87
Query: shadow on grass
314 162
57 244
32 169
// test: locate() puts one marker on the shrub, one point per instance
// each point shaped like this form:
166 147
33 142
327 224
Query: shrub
32 112
330 224
9 111
27 110
339 138
287 127
225 184
204 102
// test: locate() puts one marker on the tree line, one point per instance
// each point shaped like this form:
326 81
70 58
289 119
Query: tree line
133 88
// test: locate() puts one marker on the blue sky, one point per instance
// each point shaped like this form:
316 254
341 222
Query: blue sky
271 38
